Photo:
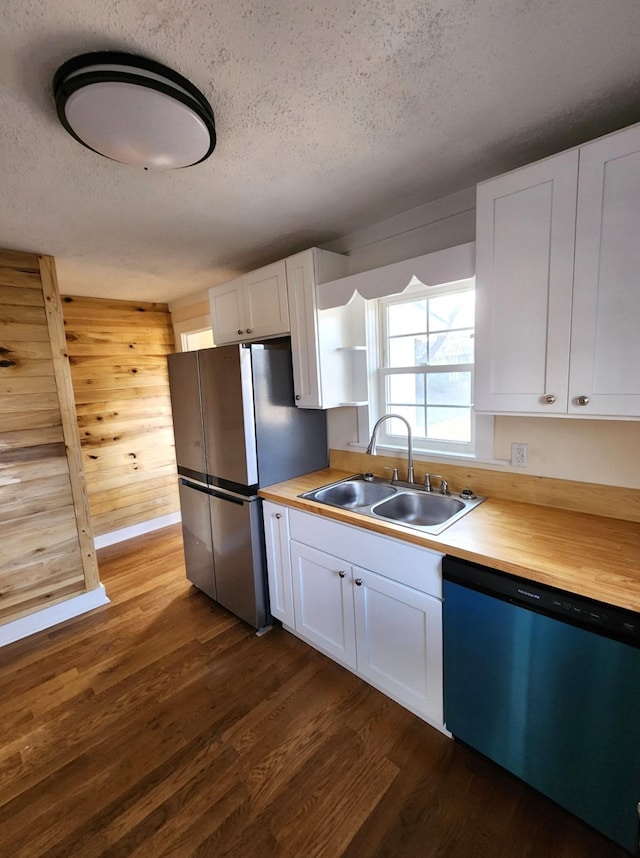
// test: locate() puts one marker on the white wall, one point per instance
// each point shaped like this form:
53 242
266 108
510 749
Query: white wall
600 451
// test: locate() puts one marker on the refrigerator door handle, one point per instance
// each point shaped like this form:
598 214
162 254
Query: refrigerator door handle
228 498
213 493
190 484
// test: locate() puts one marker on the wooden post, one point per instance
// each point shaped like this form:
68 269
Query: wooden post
62 375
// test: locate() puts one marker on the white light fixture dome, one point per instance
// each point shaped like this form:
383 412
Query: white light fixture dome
134 110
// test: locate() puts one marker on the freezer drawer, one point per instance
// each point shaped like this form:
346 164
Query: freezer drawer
239 557
196 534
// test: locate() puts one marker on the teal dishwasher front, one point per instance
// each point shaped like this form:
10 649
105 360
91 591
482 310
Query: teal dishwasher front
547 685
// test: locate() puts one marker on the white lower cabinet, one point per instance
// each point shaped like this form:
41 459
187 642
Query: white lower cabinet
399 642
323 602
374 604
276 537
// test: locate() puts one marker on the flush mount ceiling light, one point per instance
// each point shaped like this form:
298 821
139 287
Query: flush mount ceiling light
134 110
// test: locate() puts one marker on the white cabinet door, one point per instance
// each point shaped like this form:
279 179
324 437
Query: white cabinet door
605 345
228 313
317 381
250 307
524 272
399 642
323 602
266 301
301 282
276 535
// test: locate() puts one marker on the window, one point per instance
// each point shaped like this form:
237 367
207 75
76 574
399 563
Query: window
193 340
425 367
194 333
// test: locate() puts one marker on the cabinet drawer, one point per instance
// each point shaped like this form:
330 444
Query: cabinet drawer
416 567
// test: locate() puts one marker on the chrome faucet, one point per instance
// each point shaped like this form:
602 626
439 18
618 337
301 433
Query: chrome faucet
371 449
444 484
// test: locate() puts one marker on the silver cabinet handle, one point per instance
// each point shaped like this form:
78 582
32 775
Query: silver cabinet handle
298 396
342 573
549 399
240 331
582 400
278 515
248 330
359 582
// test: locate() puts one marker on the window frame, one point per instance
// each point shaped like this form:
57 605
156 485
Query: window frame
417 290
182 330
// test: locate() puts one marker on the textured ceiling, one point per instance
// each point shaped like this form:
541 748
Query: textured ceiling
331 116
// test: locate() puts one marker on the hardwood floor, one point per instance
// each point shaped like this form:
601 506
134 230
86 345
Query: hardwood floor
160 725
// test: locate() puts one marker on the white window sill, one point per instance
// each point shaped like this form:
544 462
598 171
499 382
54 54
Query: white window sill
432 456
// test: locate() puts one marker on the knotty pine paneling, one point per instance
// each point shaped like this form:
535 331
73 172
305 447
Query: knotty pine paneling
118 354
46 546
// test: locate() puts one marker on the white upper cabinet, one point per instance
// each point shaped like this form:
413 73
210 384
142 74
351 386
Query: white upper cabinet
605 345
327 346
524 275
556 254
329 355
252 306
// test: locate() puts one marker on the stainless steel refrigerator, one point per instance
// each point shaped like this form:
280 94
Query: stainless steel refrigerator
236 429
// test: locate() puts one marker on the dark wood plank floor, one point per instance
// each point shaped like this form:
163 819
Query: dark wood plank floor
159 725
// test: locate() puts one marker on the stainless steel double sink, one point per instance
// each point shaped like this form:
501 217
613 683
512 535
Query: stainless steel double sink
398 502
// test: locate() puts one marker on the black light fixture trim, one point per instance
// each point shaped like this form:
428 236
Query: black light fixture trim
69 78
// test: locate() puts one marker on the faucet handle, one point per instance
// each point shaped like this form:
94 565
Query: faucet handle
427 481
394 474
444 486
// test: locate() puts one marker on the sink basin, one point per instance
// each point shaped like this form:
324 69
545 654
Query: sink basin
401 503
419 509
354 493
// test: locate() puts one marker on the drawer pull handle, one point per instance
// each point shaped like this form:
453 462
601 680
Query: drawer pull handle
359 582
278 515
549 399
582 400
342 573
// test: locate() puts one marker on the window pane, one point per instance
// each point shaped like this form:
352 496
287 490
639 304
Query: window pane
452 311
454 347
409 317
197 340
449 388
449 424
432 329
405 389
407 351
416 418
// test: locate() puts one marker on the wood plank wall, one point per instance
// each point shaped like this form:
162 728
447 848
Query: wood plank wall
46 546
118 353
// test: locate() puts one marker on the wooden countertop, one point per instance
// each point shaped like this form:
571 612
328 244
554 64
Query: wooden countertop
583 554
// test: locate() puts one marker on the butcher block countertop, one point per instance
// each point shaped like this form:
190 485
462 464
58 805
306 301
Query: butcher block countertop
583 554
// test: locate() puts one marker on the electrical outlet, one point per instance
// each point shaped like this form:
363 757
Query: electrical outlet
519 455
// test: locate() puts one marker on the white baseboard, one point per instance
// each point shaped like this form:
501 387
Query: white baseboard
48 617
136 530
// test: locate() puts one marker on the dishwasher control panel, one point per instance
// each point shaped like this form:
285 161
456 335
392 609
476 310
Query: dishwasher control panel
587 613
